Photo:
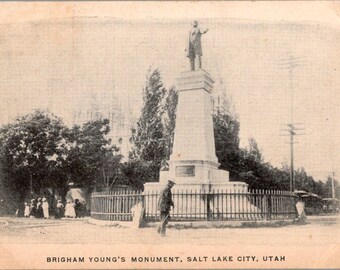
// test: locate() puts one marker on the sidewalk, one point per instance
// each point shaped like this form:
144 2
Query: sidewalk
197 224
219 224
327 218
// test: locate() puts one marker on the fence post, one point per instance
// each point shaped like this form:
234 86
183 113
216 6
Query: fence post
208 205
269 205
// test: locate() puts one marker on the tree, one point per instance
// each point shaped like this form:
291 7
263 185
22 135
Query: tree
109 173
148 135
90 153
38 151
32 152
170 108
254 171
136 172
327 188
226 133
254 150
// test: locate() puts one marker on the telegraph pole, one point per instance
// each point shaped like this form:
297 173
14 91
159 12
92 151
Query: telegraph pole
290 64
292 132
333 185
334 203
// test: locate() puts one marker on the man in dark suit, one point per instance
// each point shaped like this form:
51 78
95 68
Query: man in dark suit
194 50
164 204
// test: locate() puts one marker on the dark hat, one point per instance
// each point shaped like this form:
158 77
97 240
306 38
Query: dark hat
171 182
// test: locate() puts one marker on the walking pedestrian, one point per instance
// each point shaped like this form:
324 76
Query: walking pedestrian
164 204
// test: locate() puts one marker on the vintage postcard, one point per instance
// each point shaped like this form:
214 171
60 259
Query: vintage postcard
169 135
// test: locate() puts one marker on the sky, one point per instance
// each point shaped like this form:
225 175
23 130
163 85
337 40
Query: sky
52 53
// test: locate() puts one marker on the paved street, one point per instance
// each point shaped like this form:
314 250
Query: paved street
320 231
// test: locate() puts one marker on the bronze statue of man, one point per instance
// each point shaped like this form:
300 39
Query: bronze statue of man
194 50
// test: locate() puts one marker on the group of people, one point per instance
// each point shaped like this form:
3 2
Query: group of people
72 209
39 208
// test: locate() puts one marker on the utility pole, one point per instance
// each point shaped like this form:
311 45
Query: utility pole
290 64
334 203
292 131
333 185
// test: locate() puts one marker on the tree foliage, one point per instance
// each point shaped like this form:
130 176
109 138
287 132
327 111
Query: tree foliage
226 133
88 152
39 151
153 139
32 151
148 137
170 108
248 165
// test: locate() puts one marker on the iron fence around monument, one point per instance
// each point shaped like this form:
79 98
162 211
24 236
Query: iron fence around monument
197 205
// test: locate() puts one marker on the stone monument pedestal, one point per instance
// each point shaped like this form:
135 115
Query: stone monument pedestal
193 165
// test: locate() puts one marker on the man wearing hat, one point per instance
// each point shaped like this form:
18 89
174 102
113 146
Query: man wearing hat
164 204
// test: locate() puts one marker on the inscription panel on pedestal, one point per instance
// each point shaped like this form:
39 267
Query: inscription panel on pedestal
185 171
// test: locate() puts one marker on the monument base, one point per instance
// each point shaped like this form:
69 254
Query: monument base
192 172
205 201
202 191
226 187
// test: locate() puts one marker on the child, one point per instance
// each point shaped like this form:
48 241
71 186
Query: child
59 210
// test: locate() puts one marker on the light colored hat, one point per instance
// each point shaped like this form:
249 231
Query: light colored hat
44 199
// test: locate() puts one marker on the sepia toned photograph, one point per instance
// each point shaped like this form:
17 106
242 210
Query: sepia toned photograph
169 135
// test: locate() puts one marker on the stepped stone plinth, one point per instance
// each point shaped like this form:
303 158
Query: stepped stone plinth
193 164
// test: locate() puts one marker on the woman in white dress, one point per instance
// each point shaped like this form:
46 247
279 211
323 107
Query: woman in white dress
69 210
45 207
72 210
27 210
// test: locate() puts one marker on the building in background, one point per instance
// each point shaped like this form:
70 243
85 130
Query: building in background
221 102
106 105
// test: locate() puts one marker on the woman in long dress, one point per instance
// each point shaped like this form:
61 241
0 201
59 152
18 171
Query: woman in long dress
45 207
72 210
69 210
26 210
